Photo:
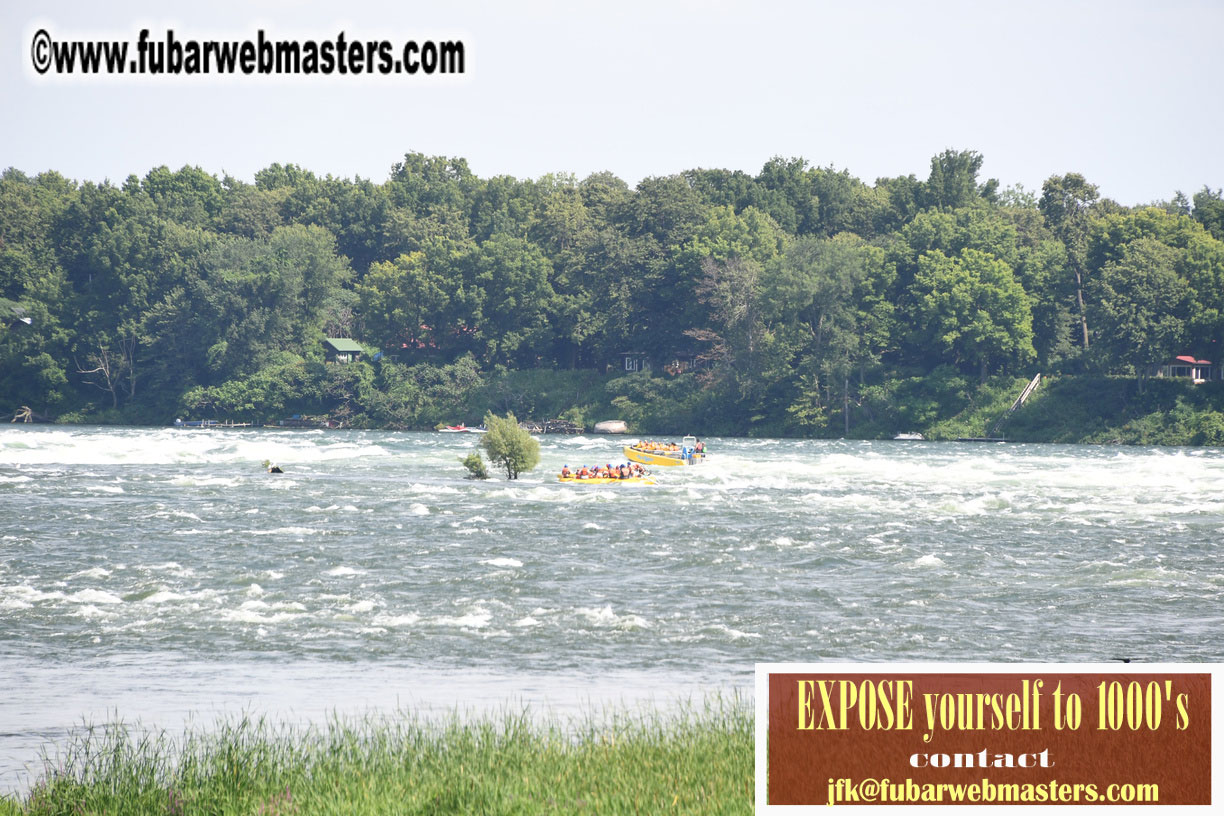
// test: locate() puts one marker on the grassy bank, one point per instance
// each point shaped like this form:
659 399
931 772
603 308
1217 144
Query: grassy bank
690 761
941 404
1120 410
1084 409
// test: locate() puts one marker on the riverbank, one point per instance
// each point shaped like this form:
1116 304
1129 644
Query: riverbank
942 404
1093 411
696 760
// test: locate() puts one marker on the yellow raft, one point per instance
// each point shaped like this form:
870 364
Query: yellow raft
666 458
605 480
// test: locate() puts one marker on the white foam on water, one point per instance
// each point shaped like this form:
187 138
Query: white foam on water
94 596
89 611
605 617
344 571
182 514
187 480
28 595
294 531
733 634
251 616
418 510
503 562
92 572
477 618
433 489
173 567
163 596
395 621
171 446
929 561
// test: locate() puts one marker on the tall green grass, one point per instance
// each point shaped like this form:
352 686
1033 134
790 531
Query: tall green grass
691 760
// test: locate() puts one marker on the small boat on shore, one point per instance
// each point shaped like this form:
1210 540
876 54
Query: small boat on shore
461 428
211 423
689 452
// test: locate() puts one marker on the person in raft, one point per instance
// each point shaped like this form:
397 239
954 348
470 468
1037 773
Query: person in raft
607 471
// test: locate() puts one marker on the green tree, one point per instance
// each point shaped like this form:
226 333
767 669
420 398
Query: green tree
953 180
1209 211
1198 262
785 191
1140 306
826 291
259 298
35 288
509 446
1066 202
475 466
188 196
972 309
846 204
730 291
403 303
511 279
1040 271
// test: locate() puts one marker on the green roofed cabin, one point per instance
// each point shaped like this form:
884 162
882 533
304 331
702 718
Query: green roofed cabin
342 350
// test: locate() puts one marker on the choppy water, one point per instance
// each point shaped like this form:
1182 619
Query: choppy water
159 570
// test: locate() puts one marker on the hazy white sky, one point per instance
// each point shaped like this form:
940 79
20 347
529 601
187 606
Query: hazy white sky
1127 93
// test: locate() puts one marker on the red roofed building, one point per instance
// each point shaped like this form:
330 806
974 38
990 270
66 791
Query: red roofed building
1187 366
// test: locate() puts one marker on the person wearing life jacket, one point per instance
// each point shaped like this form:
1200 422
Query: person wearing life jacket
565 472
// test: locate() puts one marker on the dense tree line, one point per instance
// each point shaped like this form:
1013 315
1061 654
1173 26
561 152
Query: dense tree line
807 297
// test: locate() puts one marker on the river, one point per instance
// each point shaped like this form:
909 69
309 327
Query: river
163 575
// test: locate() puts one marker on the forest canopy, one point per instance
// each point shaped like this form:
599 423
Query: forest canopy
784 297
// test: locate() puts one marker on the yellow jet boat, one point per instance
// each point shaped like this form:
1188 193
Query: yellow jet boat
685 454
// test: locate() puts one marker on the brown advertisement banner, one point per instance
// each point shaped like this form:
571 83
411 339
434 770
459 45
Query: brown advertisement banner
988 738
